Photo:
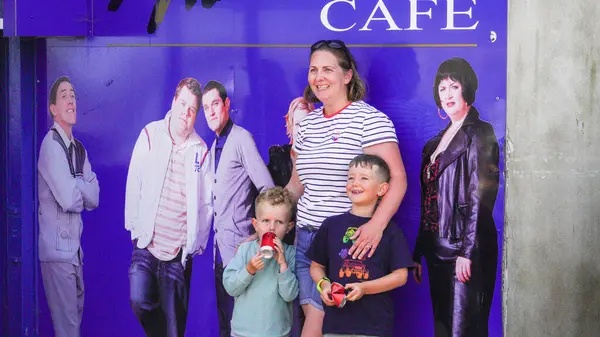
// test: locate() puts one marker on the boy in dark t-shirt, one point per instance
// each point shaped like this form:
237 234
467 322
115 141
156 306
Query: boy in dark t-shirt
369 309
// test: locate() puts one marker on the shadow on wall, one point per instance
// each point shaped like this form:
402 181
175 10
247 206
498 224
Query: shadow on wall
266 75
392 80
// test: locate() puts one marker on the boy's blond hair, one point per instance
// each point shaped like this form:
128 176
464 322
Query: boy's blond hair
276 196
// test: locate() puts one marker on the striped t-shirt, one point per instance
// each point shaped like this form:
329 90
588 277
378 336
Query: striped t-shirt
325 147
170 227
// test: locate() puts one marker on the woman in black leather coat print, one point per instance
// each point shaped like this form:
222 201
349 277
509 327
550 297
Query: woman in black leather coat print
459 179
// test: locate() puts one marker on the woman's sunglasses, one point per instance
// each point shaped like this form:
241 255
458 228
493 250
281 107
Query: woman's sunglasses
334 44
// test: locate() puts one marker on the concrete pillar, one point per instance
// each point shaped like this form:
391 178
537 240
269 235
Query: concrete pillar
552 229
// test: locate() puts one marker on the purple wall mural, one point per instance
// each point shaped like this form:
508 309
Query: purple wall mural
125 78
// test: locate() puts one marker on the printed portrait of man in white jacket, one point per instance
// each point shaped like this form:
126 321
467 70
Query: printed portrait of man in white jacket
168 212
66 187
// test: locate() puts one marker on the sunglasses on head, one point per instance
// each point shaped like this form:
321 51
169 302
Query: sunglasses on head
334 44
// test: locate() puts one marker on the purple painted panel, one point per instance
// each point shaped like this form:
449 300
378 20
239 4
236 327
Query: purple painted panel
392 22
231 21
9 17
51 18
130 19
123 83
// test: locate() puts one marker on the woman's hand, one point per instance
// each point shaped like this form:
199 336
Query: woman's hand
368 235
367 239
463 269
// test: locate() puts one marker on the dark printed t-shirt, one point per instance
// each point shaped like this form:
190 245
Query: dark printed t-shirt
372 314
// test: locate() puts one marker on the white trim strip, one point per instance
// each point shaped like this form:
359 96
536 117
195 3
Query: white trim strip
1 23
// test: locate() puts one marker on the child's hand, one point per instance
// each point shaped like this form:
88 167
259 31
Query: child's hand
280 255
256 263
279 252
356 293
326 294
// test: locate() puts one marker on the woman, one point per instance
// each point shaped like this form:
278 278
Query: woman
329 137
280 156
459 184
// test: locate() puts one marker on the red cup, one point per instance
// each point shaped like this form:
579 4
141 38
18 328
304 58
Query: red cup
338 294
267 245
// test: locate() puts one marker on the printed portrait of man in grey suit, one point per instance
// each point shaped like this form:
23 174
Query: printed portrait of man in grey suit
67 186
239 175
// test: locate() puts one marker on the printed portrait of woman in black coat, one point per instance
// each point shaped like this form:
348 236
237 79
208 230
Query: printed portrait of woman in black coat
459 184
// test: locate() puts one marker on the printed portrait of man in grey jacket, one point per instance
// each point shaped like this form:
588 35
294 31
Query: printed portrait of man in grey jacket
66 187
239 175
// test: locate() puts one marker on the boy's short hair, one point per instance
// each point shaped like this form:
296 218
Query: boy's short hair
276 196
370 160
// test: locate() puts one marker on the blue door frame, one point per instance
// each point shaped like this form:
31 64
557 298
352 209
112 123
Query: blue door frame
18 186
3 227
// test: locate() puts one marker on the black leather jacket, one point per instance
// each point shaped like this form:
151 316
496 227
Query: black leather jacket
467 189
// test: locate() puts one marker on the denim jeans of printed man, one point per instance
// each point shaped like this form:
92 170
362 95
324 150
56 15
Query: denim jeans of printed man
159 293
224 301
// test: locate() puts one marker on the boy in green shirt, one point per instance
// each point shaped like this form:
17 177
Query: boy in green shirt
264 288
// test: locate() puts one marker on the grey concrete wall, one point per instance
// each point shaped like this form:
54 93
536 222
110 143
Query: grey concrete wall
552 229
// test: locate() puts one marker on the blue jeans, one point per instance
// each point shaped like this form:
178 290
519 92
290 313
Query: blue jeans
307 287
159 293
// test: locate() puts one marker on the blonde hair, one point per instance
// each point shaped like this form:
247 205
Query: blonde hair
276 196
289 117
